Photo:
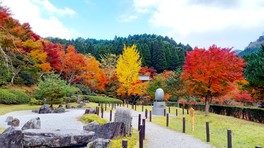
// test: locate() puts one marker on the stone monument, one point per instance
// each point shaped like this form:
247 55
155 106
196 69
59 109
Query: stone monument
159 104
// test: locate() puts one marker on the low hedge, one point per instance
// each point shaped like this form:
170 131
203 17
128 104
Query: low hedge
250 114
101 99
13 97
87 118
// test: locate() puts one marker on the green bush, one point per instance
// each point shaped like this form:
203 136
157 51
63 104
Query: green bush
70 99
34 101
53 101
87 118
101 99
13 97
251 114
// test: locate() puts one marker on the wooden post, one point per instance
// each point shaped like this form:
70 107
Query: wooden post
164 112
192 117
105 107
167 120
97 110
144 127
102 112
183 124
146 113
142 108
127 105
176 112
132 106
110 115
139 121
187 111
141 136
124 143
135 107
169 109
229 139
207 132
150 116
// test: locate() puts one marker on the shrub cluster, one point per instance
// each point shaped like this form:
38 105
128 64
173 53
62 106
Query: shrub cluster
87 118
251 114
101 99
13 97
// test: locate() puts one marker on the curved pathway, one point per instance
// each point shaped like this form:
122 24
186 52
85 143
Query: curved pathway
161 137
156 135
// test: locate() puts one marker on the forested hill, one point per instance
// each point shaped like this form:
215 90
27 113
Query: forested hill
253 46
161 53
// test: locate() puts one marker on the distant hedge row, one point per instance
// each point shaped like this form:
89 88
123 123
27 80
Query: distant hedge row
101 99
251 114
13 97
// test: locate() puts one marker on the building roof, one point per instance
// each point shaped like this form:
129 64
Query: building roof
144 78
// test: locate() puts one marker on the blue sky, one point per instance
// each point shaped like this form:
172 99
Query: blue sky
226 23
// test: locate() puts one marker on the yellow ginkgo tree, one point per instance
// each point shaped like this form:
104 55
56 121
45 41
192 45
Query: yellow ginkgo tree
128 67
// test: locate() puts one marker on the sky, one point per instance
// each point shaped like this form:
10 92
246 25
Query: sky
199 23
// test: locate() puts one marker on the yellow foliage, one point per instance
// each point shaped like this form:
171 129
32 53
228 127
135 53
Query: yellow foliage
128 67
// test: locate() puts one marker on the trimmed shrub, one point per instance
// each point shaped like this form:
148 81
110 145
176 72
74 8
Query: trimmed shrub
251 114
34 101
101 99
13 97
70 99
87 118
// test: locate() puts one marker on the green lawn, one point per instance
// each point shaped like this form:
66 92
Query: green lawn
245 134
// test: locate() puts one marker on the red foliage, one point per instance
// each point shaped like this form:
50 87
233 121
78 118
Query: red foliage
209 72
182 101
243 96
151 72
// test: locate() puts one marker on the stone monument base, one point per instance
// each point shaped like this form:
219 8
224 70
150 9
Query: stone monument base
158 108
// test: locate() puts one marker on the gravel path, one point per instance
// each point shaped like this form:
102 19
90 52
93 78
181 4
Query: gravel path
67 120
156 136
161 137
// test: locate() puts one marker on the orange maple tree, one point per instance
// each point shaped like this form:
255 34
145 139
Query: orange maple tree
208 73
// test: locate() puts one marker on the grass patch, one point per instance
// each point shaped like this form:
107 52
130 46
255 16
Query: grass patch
101 99
244 133
131 140
10 108
87 118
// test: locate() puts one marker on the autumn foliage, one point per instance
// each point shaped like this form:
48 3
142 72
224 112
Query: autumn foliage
208 73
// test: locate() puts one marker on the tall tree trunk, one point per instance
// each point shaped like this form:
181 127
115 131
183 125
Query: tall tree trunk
207 104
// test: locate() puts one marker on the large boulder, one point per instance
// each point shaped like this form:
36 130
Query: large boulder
11 138
111 130
99 143
90 110
92 126
44 109
9 118
81 105
14 122
56 138
60 109
32 124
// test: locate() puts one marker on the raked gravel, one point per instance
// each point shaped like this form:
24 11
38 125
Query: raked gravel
156 136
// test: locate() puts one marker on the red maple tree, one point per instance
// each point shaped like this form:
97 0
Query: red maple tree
208 73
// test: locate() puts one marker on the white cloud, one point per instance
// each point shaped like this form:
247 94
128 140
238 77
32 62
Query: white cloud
185 16
30 11
127 18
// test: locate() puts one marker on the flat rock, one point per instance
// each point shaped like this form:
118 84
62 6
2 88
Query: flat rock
92 126
56 138
99 143
11 138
